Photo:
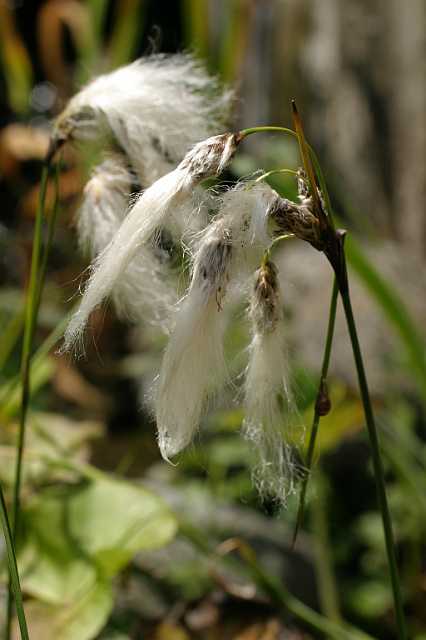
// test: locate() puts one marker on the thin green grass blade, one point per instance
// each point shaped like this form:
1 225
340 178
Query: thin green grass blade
97 9
30 323
394 309
13 568
35 288
10 336
128 28
196 26
9 393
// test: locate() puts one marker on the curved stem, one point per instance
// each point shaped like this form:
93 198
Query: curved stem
274 172
248 132
317 411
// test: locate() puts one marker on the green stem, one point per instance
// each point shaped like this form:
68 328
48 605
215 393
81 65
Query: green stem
335 252
375 452
317 411
10 336
248 132
274 172
35 288
13 569
30 322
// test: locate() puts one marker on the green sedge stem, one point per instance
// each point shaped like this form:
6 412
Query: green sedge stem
35 288
316 418
30 321
377 463
13 569
10 337
343 284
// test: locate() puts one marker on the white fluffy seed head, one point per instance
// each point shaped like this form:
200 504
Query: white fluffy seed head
156 108
268 397
245 208
146 290
147 216
193 367
209 157
104 205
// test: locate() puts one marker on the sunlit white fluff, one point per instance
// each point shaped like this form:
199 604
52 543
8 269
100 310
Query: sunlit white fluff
268 396
104 205
145 291
244 207
146 217
193 366
156 108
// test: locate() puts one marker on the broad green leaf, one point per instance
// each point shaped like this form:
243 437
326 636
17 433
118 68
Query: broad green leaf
113 520
52 565
79 620
76 535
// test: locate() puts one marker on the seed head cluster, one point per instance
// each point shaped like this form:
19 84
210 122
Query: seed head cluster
160 115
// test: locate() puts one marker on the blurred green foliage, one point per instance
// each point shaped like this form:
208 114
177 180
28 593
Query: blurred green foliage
88 533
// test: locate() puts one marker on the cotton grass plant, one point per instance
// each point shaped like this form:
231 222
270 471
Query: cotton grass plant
162 122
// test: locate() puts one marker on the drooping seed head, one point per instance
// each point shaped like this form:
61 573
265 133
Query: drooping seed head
288 217
154 108
265 308
209 157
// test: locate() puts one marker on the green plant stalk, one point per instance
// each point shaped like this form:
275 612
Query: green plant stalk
317 412
30 322
335 252
13 569
375 453
35 286
10 337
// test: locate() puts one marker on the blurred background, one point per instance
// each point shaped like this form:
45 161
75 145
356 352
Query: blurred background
357 70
